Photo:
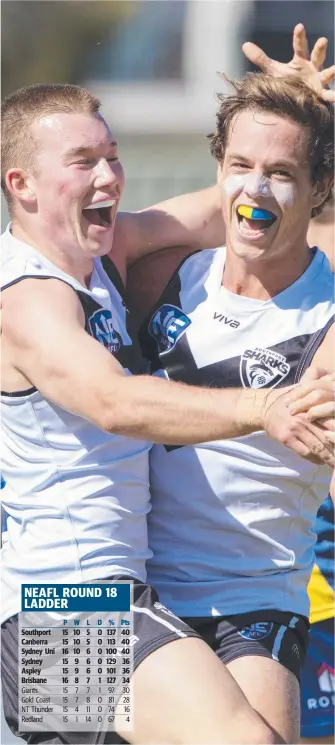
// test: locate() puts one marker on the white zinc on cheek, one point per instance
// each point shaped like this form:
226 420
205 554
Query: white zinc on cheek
233 184
283 193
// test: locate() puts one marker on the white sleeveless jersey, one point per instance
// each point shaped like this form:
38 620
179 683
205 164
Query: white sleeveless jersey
232 522
77 498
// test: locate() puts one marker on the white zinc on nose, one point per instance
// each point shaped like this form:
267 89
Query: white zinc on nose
256 185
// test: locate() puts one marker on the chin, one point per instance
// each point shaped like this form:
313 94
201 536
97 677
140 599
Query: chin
248 251
95 249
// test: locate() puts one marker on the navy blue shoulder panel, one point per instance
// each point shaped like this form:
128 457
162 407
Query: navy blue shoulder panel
311 348
170 295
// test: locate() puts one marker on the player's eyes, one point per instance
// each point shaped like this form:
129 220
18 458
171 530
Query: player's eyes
85 162
239 165
281 174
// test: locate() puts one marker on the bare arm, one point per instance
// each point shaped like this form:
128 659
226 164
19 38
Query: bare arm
71 369
53 352
190 219
317 387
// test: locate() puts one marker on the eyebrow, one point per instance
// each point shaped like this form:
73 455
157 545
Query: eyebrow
84 150
237 156
284 164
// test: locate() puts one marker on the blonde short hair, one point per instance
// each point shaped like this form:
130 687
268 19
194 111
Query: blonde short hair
21 108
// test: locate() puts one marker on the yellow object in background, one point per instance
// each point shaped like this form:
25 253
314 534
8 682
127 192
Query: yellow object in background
322 597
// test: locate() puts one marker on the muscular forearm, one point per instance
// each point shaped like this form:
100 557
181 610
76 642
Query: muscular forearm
187 220
177 414
173 413
194 218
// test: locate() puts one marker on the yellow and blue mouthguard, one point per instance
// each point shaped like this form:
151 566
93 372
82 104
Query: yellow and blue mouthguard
253 213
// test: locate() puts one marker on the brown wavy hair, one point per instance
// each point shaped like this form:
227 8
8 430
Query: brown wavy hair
285 97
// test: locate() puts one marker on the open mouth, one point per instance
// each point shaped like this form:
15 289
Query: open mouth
100 213
253 221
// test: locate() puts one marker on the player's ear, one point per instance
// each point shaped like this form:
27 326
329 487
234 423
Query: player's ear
321 189
20 185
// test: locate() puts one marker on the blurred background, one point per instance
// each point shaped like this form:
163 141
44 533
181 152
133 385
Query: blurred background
154 64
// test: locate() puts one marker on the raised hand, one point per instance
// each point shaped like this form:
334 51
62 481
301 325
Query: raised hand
309 68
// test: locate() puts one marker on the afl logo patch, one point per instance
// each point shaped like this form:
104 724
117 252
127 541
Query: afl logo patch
259 630
167 325
262 368
102 330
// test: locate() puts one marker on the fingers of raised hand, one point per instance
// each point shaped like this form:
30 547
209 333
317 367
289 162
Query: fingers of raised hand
327 95
325 78
327 75
300 44
256 56
319 51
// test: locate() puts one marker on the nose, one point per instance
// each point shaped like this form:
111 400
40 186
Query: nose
105 174
257 185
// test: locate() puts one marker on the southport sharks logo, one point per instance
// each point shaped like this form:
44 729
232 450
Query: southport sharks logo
262 368
167 325
102 329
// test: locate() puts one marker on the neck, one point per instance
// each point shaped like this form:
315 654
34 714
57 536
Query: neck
76 265
265 278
